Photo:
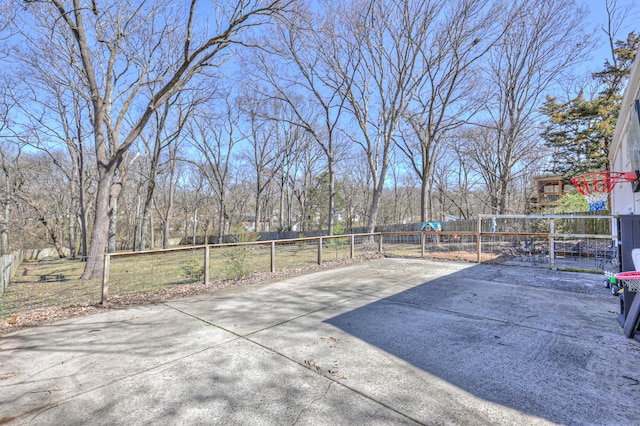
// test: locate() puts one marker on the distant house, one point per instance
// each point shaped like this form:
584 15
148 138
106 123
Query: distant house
249 224
549 190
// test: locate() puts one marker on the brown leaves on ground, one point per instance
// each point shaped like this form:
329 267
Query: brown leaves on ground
52 314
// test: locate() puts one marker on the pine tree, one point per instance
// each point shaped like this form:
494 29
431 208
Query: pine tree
579 131
574 134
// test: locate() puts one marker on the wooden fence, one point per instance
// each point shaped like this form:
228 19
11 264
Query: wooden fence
9 264
590 252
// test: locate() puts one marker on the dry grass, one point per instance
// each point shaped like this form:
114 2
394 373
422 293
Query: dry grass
46 283
47 291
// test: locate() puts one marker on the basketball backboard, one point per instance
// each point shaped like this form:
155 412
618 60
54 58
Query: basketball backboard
633 137
624 149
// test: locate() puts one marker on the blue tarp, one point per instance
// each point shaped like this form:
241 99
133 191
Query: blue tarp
431 226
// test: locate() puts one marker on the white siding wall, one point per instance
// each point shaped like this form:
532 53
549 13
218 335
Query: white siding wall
623 200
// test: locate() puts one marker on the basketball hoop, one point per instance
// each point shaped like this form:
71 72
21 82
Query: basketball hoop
631 279
596 186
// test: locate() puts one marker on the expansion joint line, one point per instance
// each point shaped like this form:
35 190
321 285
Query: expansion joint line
288 358
478 317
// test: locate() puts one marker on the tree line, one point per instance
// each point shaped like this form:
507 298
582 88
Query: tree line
124 124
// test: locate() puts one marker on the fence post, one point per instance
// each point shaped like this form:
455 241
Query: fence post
319 250
380 243
552 243
479 239
273 256
422 241
206 264
105 279
352 249
3 276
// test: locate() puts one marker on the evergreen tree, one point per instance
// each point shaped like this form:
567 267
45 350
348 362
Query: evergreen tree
571 202
579 131
318 204
573 132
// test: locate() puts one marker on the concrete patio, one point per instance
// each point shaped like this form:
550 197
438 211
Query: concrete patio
390 341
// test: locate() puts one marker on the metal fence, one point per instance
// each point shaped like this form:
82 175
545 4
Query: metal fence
134 272
586 243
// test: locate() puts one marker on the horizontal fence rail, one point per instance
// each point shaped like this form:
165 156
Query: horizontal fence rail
127 273
574 243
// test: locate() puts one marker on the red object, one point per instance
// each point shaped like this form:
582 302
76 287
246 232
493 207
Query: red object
602 182
627 276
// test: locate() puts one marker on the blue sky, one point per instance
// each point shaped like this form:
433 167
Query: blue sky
598 18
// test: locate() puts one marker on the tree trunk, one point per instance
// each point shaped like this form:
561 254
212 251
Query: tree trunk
373 211
424 198
73 208
146 211
59 248
195 225
504 190
258 210
4 224
99 236
166 230
84 249
4 235
81 204
332 196
430 214
152 242
113 225
281 213
166 227
166 233
221 214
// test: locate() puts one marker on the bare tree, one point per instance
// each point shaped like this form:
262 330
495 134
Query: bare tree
169 122
214 137
9 152
118 184
479 145
377 49
447 96
118 48
8 180
37 187
458 167
306 86
616 17
265 155
356 187
51 117
54 118
300 161
170 179
541 43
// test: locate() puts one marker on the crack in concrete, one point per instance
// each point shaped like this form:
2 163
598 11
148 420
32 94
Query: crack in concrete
301 363
310 404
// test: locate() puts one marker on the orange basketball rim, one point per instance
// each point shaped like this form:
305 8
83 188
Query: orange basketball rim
596 186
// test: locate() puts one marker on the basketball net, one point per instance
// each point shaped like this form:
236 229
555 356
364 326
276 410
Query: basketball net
597 186
597 201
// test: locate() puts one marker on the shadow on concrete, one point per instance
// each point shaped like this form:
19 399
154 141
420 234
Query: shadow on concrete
533 341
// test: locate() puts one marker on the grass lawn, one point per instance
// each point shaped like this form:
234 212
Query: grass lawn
39 285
